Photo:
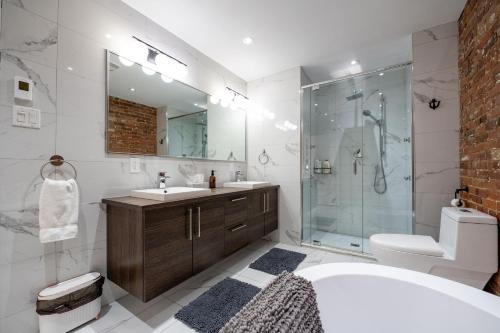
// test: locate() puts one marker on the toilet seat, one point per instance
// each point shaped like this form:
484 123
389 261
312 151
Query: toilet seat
416 244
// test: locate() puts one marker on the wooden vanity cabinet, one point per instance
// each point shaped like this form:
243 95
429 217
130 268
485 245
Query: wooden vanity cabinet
262 213
208 234
152 248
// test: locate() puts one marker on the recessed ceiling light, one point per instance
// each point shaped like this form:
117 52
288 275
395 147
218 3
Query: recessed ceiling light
381 74
108 36
132 89
354 62
315 104
247 40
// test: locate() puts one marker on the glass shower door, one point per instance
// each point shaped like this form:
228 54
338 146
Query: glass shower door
357 164
334 193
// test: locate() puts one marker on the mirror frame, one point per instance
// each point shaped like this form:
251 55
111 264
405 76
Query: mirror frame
107 81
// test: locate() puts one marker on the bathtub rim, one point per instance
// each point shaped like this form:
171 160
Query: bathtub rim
479 299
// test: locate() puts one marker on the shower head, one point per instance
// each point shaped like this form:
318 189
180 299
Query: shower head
368 113
356 95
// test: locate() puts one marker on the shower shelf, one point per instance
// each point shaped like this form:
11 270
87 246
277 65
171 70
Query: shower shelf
323 171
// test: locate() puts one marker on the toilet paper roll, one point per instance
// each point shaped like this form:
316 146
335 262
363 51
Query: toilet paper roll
457 203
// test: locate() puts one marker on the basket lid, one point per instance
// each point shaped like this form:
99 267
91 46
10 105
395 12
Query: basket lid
68 286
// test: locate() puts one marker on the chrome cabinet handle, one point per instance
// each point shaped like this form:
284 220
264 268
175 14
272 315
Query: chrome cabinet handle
199 222
264 197
267 206
239 199
190 224
238 227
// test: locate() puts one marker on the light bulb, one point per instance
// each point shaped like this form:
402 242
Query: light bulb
125 62
214 99
147 71
166 79
224 103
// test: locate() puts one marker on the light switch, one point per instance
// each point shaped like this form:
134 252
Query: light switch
135 165
34 118
23 116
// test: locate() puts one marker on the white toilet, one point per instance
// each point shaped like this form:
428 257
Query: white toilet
467 251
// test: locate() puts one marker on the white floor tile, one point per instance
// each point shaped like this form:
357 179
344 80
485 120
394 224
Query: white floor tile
129 314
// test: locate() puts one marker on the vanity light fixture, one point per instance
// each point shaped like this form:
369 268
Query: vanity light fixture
247 40
232 98
164 61
132 89
381 74
354 62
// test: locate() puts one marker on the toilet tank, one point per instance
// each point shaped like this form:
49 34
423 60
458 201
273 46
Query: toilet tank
471 237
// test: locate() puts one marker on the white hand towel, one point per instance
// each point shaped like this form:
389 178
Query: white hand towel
59 201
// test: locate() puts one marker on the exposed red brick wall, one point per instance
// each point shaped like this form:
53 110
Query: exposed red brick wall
131 127
479 70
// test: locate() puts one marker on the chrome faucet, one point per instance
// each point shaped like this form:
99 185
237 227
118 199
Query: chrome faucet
237 176
162 179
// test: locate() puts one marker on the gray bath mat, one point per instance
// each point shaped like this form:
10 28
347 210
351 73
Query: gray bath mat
213 309
278 260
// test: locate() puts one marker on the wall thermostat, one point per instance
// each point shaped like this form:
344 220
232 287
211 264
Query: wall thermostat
23 88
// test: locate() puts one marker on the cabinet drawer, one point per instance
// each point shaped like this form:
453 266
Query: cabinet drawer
235 238
236 210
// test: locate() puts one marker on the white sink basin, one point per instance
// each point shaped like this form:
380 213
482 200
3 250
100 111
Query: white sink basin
247 184
166 193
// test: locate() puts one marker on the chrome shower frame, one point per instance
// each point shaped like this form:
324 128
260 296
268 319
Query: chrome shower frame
302 170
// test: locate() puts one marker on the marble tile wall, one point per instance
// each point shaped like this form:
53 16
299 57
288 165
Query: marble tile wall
435 75
41 39
278 96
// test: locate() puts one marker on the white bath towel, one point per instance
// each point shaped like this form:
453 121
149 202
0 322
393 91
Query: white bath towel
59 201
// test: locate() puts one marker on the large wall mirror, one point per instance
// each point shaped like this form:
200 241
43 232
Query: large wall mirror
154 115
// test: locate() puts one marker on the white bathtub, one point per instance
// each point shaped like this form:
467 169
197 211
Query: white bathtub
380 299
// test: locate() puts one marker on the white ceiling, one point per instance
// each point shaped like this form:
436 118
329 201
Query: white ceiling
320 35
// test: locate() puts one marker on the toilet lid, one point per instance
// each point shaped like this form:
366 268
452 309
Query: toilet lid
417 244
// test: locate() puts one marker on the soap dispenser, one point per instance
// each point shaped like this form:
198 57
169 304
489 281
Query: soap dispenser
212 180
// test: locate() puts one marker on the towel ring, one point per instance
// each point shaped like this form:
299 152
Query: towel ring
56 160
263 158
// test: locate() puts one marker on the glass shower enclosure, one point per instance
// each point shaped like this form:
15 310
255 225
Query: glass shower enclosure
357 159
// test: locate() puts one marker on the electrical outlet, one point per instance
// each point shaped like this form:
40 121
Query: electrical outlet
135 165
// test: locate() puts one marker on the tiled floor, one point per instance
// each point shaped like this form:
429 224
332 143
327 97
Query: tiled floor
129 314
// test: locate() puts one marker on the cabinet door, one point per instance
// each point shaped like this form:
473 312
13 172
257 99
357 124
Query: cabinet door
256 204
168 249
208 233
271 221
256 215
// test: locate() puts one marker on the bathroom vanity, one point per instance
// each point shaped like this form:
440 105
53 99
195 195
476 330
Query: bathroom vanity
154 245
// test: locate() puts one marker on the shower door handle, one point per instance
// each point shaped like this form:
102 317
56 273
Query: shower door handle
355 167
